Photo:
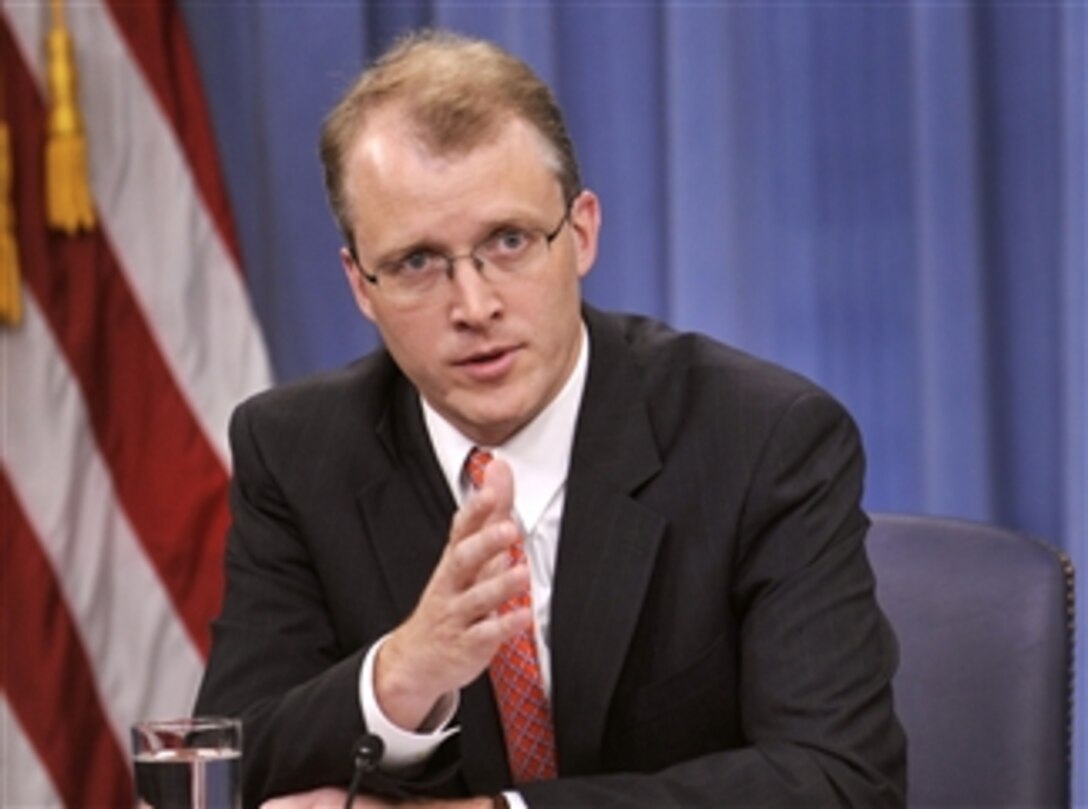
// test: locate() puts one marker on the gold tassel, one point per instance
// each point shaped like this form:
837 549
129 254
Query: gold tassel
67 191
11 308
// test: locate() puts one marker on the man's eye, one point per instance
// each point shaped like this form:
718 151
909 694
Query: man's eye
507 242
420 262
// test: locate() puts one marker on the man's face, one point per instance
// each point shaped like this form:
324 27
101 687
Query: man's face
486 352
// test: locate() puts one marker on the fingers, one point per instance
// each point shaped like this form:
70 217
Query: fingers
499 482
492 593
499 626
493 502
482 554
482 530
477 512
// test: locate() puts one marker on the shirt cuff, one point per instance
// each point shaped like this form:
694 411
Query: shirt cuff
514 800
403 748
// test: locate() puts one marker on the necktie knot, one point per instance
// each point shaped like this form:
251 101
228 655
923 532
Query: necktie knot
475 465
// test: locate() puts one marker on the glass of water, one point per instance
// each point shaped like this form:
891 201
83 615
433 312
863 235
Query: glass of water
190 763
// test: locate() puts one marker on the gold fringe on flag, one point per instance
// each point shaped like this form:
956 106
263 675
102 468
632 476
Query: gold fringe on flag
11 306
68 195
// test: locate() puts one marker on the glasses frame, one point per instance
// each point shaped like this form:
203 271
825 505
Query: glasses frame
451 259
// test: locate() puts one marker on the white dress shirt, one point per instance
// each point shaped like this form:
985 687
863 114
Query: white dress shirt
538 455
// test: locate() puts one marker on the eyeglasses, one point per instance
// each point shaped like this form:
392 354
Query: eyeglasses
508 251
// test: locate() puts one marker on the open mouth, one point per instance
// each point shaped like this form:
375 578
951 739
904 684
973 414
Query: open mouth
486 356
490 364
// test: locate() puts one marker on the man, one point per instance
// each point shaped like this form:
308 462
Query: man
667 536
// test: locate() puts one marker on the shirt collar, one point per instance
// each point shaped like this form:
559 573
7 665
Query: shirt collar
538 454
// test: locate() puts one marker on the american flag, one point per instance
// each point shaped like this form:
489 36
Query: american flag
136 341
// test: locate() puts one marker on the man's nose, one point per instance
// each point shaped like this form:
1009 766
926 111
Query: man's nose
475 298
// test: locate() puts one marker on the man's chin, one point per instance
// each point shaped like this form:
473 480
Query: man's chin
491 426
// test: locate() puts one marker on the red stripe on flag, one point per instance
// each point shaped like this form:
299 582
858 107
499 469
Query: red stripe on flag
168 478
156 34
51 682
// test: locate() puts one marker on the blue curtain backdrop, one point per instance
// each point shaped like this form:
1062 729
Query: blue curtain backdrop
889 197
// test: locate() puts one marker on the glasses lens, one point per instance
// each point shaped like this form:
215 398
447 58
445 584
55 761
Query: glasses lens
512 249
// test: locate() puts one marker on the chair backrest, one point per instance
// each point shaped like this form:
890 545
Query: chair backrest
984 618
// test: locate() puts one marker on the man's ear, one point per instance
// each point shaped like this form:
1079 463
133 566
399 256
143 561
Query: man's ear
585 224
360 287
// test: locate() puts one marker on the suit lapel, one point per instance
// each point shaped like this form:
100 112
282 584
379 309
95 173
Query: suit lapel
607 548
405 506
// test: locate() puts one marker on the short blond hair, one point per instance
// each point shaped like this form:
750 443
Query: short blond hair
456 92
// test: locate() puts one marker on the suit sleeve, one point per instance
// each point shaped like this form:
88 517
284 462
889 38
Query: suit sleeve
276 661
816 654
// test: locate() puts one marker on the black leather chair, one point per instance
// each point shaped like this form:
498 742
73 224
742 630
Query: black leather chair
984 618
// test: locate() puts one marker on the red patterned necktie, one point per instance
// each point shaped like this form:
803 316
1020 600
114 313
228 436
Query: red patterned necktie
515 677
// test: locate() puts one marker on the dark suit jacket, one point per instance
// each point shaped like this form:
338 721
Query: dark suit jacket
714 638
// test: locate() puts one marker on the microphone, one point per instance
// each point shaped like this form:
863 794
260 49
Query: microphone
366 754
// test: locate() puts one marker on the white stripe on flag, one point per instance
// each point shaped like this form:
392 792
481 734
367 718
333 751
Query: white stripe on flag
24 782
144 662
156 222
